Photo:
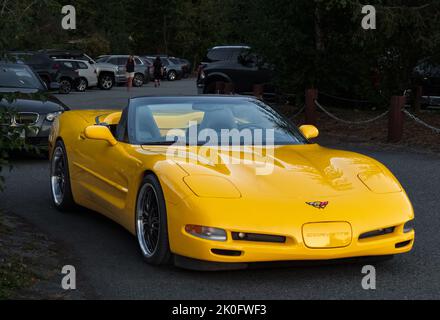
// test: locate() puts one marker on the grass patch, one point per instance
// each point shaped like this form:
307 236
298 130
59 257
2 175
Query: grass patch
14 276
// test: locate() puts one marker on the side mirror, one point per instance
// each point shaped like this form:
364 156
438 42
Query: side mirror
100 133
309 131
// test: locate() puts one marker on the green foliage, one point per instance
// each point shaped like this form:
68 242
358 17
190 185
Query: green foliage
11 137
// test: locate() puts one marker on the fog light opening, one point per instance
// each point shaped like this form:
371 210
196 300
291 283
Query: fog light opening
229 253
403 244
207 233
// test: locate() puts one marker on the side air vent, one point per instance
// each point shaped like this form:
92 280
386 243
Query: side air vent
376 233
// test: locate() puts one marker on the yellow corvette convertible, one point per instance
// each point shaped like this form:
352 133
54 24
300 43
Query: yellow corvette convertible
219 182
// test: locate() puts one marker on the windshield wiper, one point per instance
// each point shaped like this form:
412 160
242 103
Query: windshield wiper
159 143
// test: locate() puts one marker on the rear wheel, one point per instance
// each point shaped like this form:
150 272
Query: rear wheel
151 222
172 75
60 179
65 86
138 80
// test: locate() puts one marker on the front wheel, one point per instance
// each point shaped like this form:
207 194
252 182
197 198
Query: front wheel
60 179
151 222
82 85
106 82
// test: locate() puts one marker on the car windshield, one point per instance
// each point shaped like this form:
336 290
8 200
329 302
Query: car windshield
209 121
16 76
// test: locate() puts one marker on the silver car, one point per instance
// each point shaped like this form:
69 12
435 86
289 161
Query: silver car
141 69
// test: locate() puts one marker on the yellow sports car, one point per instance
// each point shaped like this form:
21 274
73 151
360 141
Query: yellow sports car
218 182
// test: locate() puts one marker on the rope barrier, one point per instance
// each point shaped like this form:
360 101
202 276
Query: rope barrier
299 112
345 99
349 122
421 122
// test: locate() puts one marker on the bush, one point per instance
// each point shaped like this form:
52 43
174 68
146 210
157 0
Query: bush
10 137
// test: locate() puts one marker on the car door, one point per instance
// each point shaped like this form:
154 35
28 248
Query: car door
89 72
105 175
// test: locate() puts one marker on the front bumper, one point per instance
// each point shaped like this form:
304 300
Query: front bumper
295 247
38 133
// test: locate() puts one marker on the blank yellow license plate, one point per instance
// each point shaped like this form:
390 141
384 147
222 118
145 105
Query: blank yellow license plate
327 235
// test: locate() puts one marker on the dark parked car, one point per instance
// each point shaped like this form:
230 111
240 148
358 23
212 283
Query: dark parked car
172 71
427 74
105 72
28 111
54 74
234 64
185 64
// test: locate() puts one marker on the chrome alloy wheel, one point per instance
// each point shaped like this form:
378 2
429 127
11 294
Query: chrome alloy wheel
106 82
148 220
58 176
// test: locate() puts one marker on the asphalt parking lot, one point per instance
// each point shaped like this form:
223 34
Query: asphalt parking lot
117 97
107 257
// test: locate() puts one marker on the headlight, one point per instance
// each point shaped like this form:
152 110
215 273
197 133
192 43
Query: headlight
409 226
208 233
53 115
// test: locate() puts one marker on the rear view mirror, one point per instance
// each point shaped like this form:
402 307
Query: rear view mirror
309 131
100 133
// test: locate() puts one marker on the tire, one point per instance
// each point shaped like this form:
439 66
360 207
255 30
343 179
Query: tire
172 75
106 82
65 86
61 191
138 80
82 85
151 222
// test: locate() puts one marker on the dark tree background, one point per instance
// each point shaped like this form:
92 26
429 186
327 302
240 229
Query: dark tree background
312 43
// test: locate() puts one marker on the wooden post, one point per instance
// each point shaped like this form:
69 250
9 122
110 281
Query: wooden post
418 98
229 88
219 87
258 91
395 123
311 115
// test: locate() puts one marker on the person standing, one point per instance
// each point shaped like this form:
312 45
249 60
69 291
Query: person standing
158 71
130 72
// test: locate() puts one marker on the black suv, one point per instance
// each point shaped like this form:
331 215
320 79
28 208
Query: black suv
233 64
427 74
54 74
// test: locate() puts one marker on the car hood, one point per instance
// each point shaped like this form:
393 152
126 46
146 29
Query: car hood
306 171
26 102
106 66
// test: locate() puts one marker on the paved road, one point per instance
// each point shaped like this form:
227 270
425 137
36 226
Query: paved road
111 264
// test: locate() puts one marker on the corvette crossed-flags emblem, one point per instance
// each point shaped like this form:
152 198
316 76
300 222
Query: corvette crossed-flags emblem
318 204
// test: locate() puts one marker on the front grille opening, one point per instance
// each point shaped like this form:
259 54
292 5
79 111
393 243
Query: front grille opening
403 244
377 233
26 118
254 237
229 253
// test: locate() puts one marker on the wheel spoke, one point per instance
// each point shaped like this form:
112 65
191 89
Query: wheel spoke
149 220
